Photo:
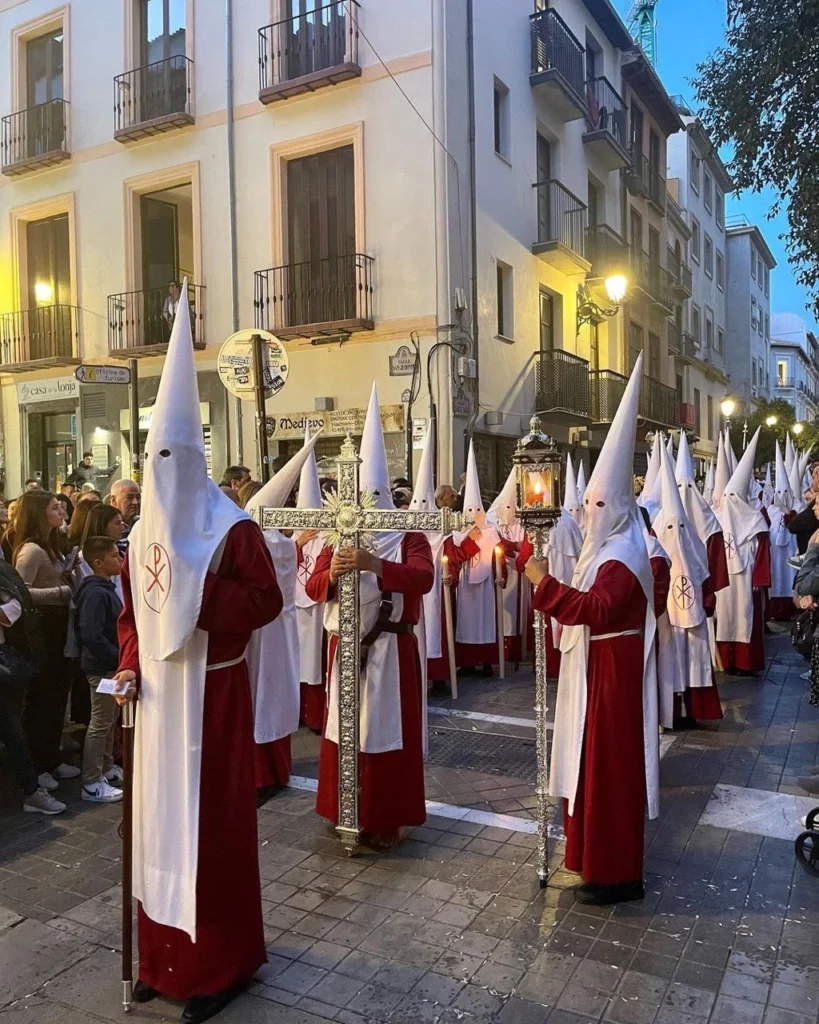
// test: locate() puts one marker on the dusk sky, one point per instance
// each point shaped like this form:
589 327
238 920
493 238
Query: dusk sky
688 31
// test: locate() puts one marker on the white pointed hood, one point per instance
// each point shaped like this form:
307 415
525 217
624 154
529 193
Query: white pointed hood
423 497
782 495
473 503
572 501
277 490
652 470
740 521
670 448
708 483
652 494
310 495
723 473
689 559
581 479
790 453
804 462
795 478
374 475
699 512
184 515
503 508
730 454
768 487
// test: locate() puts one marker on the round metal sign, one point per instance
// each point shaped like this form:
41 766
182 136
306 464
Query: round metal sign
235 364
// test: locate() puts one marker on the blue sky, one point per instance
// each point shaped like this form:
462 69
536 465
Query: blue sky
688 31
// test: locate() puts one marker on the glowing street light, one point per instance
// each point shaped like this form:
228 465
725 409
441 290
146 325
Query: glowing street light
727 407
616 286
771 421
797 428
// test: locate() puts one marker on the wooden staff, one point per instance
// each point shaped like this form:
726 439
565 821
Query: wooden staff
499 611
450 635
128 715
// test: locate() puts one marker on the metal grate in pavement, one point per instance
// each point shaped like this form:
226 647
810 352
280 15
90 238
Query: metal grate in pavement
483 752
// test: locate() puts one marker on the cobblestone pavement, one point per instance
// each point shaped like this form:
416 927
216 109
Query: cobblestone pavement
452 926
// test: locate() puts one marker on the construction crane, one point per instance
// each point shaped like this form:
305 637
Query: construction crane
642 24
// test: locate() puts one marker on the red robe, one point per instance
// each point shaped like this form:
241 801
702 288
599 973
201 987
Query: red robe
661 571
750 657
241 597
272 763
717 562
611 790
313 698
391 785
702 702
438 668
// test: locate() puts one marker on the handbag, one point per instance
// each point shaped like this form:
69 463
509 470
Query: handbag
803 631
16 667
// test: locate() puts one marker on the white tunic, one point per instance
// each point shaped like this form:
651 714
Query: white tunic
309 617
783 547
476 593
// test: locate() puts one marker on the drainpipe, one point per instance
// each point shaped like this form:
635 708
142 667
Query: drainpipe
473 217
234 250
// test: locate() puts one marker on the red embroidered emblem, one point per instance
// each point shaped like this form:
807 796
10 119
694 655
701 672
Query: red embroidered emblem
157 585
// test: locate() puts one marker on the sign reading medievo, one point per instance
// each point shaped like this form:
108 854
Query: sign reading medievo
291 425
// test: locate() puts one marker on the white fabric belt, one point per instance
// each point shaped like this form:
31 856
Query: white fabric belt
225 664
608 636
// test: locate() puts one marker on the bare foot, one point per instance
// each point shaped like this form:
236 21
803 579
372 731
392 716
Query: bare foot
381 842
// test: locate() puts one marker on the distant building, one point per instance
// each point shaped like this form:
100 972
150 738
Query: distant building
794 365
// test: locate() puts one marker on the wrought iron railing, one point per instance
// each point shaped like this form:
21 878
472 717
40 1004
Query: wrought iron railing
658 402
555 47
144 318
32 135
155 92
606 251
606 390
688 345
656 187
329 291
305 44
561 383
653 279
561 216
607 111
637 176
674 337
44 332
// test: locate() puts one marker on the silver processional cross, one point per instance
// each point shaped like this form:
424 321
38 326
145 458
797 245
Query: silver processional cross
346 516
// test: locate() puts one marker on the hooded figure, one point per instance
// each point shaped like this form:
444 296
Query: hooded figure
198 580
795 475
515 609
273 653
730 455
475 631
572 501
790 454
395 572
783 545
652 472
739 616
701 516
767 487
310 613
605 758
708 483
581 482
685 649
722 474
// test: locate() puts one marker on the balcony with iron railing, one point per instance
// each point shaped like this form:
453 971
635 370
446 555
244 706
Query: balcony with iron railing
561 385
140 322
605 137
561 227
308 51
658 401
35 137
689 349
656 188
680 274
319 297
607 252
637 174
674 337
652 279
558 62
687 415
152 99
40 337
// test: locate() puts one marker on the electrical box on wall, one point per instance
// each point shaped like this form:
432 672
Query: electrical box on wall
467 368
460 300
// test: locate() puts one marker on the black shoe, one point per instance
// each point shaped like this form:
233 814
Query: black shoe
592 895
265 793
684 722
200 1008
487 672
143 993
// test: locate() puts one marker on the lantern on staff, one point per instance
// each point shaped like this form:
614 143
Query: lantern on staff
539 483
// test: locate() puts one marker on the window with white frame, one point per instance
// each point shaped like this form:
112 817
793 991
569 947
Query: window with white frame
709 330
781 373
707 190
505 300
694 171
695 239
720 340
720 270
695 325
767 328
753 263
754 314
767 281
501 120
709 256
719 203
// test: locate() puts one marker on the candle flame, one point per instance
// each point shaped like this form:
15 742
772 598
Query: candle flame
445 559
498 550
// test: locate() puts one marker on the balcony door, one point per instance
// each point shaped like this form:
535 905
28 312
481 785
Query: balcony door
314 36
320 281
160 218
544 176
45 121
161 81
49 288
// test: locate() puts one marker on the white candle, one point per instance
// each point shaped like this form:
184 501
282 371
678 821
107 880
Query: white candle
499 563
446 573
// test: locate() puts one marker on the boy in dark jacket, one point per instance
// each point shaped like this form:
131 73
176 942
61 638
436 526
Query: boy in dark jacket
97 610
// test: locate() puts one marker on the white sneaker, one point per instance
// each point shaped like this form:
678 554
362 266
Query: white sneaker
114 774
42 802
47 781
66 771
101 793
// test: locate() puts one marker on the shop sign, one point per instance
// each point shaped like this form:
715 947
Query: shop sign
53 390
103 374
235 364
336 423
402 364
419 433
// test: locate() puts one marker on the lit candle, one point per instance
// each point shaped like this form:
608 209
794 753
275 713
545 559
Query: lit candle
499 564
536 495
446 572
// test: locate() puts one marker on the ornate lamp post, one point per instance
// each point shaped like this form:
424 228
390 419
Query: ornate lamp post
538 476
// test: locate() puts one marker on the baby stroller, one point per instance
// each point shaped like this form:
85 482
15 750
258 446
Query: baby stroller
807 844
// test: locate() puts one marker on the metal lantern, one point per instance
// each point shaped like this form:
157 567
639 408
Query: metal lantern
539 490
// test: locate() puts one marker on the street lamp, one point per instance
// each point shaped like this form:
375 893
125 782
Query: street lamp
797 428
538 486
771 421
588 310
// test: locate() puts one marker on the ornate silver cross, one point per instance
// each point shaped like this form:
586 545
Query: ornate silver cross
345 518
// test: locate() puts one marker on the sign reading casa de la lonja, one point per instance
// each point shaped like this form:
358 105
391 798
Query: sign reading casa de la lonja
290 425
51 390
